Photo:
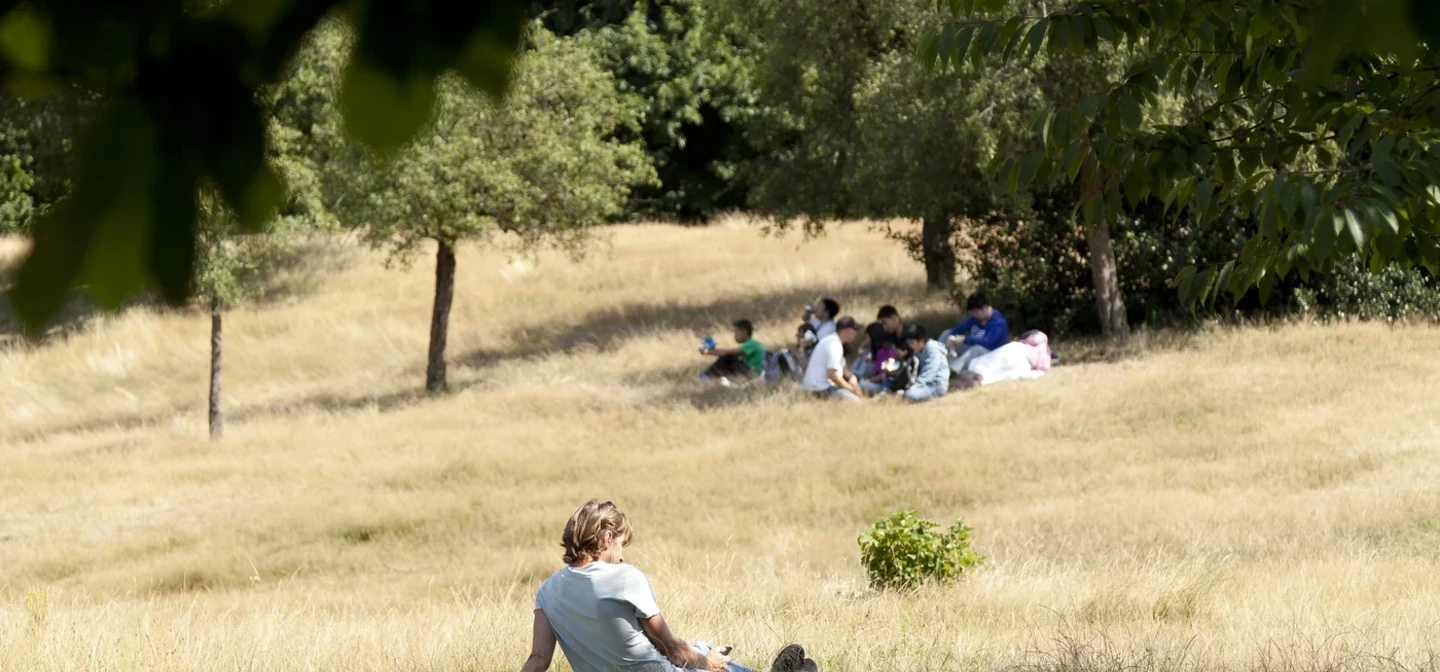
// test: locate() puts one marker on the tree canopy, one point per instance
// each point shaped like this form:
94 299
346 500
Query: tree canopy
690 71
853 126
1315 117
543 164
540 167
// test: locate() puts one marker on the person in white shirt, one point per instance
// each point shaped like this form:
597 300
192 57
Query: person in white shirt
603 614
824 317
819 323
825 374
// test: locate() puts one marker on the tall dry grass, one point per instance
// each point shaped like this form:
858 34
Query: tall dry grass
1253 499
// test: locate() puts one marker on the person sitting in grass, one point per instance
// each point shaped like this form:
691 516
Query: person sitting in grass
603 614
818 323
932 378
985 330
881 338
894 374
745 361
825 374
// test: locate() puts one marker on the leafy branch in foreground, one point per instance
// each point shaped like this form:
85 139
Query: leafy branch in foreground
181 81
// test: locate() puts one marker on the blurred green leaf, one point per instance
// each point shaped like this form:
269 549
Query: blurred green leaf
1425 15
26 39
381 111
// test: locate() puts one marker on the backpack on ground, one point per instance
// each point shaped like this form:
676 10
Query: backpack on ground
780 366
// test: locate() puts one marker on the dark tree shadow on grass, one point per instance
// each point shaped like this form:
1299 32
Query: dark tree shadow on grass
385 402
291 273
605 329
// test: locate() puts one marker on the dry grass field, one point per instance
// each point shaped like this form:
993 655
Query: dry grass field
1262 499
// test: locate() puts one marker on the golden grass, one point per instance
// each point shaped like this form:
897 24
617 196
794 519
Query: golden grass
1256 499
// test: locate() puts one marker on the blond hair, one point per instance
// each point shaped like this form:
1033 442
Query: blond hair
585 527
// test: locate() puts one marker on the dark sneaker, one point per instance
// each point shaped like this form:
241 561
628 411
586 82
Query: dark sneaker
791 659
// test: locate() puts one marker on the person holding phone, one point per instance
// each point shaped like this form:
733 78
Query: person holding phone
603 613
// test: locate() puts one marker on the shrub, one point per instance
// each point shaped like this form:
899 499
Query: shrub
1035 263
903 551
1354 291
1035 266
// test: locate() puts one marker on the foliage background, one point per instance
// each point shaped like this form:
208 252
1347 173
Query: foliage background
804 112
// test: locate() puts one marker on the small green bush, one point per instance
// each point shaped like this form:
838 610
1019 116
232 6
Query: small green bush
903 551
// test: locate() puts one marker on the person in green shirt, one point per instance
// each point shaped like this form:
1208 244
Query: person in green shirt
745 361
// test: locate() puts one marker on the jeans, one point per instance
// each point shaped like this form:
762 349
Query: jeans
962 360
873 388
919 393
837 394
703 649
862 368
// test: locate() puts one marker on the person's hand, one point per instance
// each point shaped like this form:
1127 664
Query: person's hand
716 661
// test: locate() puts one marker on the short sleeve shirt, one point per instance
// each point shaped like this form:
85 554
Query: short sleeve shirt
595 612
829 355
753 352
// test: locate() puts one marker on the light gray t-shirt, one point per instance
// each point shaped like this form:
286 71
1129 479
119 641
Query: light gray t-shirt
595 611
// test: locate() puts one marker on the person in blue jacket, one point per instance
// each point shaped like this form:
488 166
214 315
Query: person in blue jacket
932 380
985 330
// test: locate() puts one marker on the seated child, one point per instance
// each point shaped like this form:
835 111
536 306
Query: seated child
745 361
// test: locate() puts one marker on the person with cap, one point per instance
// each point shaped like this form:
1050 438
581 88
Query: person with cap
825 374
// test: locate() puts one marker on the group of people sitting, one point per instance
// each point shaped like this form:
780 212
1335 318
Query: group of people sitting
896 361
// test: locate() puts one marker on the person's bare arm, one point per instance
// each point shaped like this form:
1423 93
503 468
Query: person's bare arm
842 380
678 651
542 645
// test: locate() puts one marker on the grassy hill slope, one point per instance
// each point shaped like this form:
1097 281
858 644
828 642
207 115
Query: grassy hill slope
1259 498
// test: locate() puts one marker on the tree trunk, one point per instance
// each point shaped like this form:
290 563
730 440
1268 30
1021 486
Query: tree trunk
1108 299
440 316
217 417
939 253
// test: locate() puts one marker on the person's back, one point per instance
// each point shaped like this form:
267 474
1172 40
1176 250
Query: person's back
603 614
594 611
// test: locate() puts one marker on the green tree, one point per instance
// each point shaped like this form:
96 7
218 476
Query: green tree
922 140
540 168
232 267
181 81
36 155
1316 118
691 72
855 127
